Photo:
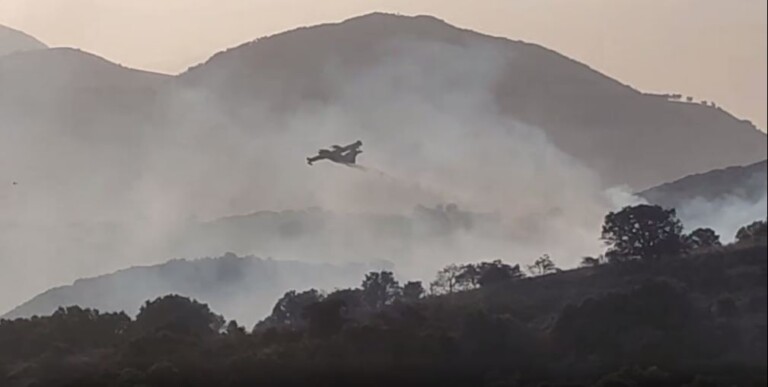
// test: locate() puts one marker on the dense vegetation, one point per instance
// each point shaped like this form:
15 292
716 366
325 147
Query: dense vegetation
661 308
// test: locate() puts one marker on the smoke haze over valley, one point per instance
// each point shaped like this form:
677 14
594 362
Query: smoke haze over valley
103 167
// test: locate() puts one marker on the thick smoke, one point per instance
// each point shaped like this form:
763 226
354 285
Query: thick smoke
432 133
725 215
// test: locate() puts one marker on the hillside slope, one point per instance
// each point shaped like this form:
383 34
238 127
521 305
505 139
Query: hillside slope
627 136
742 182
243 288
722 199
697 320
14 41
75 92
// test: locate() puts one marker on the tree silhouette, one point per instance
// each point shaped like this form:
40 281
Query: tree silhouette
643 231
756 232
177 314
702 238
289 309
235 330
469 278
379 289
352 299
543 265
413 291
496 272
447 280
325 317
591 261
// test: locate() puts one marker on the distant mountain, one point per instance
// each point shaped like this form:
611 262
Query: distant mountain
627 136
436 233
77 124
76 92
445 112
14 41
242 288
722 199
746 183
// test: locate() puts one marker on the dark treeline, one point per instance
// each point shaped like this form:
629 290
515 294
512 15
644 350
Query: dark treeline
659 308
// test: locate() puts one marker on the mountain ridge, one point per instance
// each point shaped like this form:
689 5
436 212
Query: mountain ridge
12 40
588 115
744 182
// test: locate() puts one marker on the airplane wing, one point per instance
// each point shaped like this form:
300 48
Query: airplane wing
353 146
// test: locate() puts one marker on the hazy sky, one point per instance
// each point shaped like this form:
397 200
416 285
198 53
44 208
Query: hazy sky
711 49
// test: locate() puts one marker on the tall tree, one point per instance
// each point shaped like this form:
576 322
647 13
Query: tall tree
447 280
380 288
643 231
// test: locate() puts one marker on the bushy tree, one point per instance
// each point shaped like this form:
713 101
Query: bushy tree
177 314
488 338
651 320
234 329
543 265
643 231
413 291
756 232
289 309
352 300
702 238
380 288
469 278
455 278
71 327
447 280
88 326
591 261
326 318
497 272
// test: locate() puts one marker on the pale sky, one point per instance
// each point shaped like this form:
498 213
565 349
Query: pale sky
710 49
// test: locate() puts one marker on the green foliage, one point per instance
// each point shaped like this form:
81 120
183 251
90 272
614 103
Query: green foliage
643 232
